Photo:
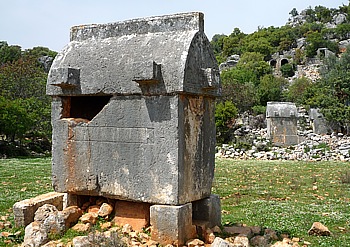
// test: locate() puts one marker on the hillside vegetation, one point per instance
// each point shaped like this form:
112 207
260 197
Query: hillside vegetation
316 36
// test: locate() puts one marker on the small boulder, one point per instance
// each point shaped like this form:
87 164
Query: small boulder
318 229
80 227
43 212
127 229
82 241
89 218
35 235
239 230
194 243
71 215
93 209
219 242
259 241
270 234
241 241
105 210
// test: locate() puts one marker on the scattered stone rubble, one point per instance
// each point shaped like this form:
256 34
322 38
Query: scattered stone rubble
50 223
314 148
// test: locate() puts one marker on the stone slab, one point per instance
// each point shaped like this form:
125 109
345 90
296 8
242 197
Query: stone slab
133 213
24 210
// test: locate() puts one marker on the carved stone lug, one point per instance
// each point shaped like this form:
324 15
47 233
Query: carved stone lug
211 78
147 72
65 77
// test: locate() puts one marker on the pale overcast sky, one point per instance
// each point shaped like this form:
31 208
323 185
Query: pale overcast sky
31 23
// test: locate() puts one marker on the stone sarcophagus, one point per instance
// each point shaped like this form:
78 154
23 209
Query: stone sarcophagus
281 118
133 111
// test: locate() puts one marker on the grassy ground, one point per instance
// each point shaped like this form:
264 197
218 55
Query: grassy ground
21 179
285 196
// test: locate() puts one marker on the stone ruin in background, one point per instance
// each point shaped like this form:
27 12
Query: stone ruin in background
133 120
281 119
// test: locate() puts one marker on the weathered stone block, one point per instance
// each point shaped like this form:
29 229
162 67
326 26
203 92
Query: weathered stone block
319 124
172 224
24 210
209 210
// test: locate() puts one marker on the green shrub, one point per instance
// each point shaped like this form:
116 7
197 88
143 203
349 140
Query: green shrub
287 70
225 114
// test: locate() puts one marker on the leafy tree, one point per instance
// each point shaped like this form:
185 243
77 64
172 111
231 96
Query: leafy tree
258 43
3 43
270 89
217 44
22 79
254 61
332 92
294 12
25 107
14 118
315 41
240 75
342 31
238 86
297 91
287 70
225 113
323 14
310 14
9 53
40 51
232 43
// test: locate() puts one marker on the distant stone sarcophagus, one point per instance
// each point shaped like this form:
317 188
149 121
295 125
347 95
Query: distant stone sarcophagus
281 120
133 111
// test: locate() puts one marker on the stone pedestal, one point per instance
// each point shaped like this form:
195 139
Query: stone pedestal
172 224
208 210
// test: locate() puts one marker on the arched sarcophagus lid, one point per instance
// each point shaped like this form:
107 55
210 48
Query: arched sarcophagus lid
166 54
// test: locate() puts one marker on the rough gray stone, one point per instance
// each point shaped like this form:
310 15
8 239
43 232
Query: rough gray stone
241 241
82 241
24 210
44 211
339 19
219 242
50 219
35 235
172 224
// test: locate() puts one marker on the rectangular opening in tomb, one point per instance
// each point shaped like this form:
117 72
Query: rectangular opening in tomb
86 107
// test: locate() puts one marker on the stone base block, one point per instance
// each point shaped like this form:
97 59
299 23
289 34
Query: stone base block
172 224
135 214
24 210
209 210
